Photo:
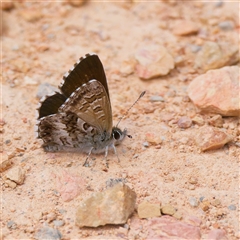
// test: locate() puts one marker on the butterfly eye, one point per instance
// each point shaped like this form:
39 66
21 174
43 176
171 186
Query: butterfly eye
117 135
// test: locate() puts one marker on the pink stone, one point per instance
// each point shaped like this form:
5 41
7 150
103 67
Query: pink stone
217 91
153 61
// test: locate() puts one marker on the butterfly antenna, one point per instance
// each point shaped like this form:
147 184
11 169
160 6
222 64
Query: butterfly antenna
141 95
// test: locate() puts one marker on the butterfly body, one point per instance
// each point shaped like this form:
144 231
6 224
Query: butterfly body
79 118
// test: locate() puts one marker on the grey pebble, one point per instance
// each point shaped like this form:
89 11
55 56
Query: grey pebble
193 202
58 223
226 25
201 199
48 233
146 144
113 181
45 89
135 156
11 224
195 48
156 98
219 3
232 207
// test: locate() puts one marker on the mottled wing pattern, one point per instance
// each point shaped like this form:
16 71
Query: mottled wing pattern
90 102
81 114
63 131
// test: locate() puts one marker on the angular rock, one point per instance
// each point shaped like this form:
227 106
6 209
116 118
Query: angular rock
212 138
168 210
184 122
153 61
216 121
154 139
31 15
193 202
113 206
148 210
5 162
217 91
16 175
213 55
183 28
10 183
205 205
127 67
198 120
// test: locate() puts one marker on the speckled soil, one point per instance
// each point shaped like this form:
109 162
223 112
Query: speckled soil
40 42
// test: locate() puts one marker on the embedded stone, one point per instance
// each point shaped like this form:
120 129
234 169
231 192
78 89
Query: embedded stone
113 206
217 91
148 210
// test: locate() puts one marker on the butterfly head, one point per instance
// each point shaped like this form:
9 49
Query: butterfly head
118 135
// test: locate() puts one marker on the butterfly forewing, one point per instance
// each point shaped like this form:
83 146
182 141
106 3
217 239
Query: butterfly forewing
90 102
87 68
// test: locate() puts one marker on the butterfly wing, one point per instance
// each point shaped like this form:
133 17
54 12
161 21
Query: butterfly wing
90 103
87 68
81 112
63 131
50 104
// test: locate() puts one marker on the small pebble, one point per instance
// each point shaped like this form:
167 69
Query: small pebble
198 120
226 25
113 181
184 122
146 144
168 210
11 224
193 202
156 98
193 180
45 89
8 142
51 216
48 233
232 207
201 199
205 205
216 202
195 48
58 223
191 187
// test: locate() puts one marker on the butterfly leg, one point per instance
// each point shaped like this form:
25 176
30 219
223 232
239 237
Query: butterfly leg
115 151
105 157
86 164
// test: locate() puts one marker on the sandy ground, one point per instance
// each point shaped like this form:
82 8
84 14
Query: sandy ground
40 42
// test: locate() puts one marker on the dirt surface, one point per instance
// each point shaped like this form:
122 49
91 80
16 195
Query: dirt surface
40 42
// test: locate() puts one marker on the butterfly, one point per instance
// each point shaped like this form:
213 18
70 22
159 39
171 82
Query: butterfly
79 117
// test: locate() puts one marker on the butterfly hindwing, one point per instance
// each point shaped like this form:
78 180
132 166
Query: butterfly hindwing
50 104
63 131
